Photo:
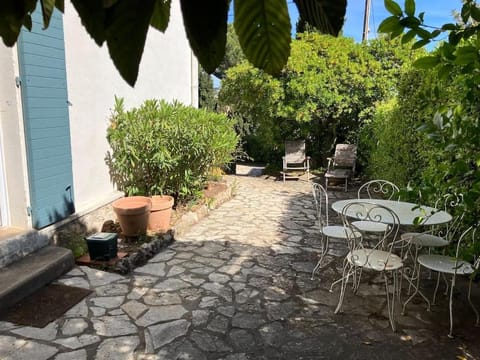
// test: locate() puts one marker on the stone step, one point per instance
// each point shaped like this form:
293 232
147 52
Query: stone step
17 243
25 276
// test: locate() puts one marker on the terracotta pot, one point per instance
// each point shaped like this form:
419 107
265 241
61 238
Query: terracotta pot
160 213
132 213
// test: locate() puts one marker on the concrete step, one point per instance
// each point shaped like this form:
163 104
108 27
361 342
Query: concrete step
25 276
17 243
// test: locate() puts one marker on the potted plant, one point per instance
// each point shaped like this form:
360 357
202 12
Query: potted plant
133 214
160 213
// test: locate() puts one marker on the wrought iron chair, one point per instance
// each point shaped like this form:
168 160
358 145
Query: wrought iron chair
378 258
450 266
320 197
376 189
342 164
437 236
295 158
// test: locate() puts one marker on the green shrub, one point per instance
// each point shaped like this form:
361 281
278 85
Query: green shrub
163 148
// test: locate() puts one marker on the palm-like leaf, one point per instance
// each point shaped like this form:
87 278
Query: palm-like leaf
327 16
263 29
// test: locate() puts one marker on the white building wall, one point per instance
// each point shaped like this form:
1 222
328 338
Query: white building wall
168 70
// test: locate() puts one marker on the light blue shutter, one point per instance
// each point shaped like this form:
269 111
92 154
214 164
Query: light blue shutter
45 110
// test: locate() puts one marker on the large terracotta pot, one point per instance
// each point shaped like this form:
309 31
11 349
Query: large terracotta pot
160 213
132 213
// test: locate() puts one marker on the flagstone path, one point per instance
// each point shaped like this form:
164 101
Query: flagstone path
237 286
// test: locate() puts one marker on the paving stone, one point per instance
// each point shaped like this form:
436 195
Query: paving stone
144 281
74 326
98 311
121 348
112 290
75 272
165 333
209 301
134 308
98 277
49 332
76 282
273 334
72 355
108 302
230 269
163 256
247 320
114 326
191 294
208 342
194 280
203 270
171 285
154 297
154 268
279 311
218 278
12 348
242 339
175 270
200 317
181 350
160 314
77 342
79 310
226 310
137 293
218 324
219 289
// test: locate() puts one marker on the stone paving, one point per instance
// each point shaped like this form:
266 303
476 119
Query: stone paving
237 286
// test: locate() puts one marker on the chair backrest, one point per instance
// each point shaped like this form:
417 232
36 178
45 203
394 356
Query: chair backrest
345 156
469 234
382 189
450 203
295 151
367 211
320 198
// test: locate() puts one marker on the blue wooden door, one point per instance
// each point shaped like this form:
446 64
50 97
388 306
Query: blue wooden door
45 111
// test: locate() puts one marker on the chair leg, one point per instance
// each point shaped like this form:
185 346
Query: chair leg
346 184
391 304
324 251
326 184
477 322
346 275
284 177
450 307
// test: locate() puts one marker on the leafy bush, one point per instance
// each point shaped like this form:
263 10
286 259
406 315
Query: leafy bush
163 148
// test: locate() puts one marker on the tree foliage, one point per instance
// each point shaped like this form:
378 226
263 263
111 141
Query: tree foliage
206 92
233 53
328 88
263 27
453 128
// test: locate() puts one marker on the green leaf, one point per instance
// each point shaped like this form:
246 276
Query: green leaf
388 25
466 55
393 8
449 27
93 16
475 13
206 27
408 36
426 62
420 44
60 5
47 11
410 7
14 14
263 29
326 15
126 31
161 15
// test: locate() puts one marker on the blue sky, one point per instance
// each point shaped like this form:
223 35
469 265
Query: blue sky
437 12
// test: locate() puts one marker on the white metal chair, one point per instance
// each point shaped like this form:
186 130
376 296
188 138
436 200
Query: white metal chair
342 164
320 197
376 189
378 258
437 236
295 158
450 266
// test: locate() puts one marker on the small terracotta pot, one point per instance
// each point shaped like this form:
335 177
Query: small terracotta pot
160 213
132 213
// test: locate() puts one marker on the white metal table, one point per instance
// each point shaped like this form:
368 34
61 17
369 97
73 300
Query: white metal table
407 212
